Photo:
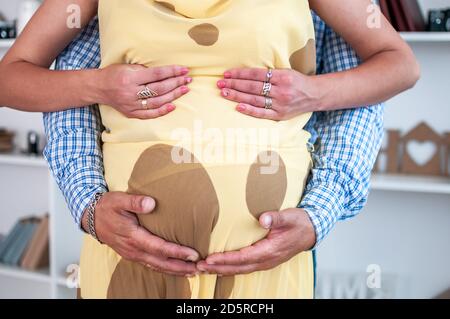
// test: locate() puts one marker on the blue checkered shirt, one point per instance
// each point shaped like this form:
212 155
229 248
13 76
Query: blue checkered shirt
346 142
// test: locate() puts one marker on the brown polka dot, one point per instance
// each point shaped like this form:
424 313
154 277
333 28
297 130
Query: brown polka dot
167 5
131 280
304 59
266 184
204 34
224 287
187 206
186 213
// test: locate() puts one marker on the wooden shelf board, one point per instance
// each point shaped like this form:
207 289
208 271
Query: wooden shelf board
417 184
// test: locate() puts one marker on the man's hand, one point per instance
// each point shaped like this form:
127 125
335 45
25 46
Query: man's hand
291 232
117 226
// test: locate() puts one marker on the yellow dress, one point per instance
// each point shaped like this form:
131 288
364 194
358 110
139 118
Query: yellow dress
212 170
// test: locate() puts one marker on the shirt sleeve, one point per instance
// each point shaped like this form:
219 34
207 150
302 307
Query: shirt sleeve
346 146
73 149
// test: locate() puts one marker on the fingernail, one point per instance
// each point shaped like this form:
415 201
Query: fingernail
184 89
170 107
267 222
240 108
184 70
201 268
225 93
192 258
148 204
221 84
188 80
227 75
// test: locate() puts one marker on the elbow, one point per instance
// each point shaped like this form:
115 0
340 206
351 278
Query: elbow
414 73
412 70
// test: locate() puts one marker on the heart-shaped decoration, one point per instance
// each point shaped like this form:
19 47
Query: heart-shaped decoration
421 152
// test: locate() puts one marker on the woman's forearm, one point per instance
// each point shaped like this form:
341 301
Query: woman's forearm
377 80
28 87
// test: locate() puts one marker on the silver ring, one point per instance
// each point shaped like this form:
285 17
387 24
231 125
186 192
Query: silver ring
267 87
146 93
269 75
144 103
268 103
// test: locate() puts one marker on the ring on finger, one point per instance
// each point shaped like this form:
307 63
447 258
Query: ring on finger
144 103
267 87
146 93
269 75
268 103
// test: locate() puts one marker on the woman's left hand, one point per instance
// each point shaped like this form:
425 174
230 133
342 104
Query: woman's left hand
292 93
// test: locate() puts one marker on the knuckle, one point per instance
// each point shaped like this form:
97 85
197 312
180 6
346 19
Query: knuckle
254 74
287 79
250 87
286 96
254 100
135 202
158 72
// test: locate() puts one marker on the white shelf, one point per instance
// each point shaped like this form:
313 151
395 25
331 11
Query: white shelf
426 37
15 272
22 160
6 44
417 184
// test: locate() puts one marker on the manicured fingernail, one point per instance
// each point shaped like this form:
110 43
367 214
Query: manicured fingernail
221 84
170 107
188 80
225 93
192 258
148 204
227 75
241 108
184 70
267 222
184 89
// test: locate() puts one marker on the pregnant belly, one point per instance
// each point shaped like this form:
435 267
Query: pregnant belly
202 114
208 206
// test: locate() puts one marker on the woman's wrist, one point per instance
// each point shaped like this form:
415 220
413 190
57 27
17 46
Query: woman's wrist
93 90
320 88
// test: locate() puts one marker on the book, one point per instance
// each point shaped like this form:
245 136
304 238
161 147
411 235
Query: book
37 253
17 247
9 239
385 10
398 16
414 19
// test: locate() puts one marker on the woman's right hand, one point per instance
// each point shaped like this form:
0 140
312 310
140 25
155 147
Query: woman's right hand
119 84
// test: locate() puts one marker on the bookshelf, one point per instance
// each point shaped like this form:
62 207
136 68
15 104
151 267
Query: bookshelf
426 37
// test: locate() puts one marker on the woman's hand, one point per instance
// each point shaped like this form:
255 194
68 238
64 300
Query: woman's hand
119 84
292 92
